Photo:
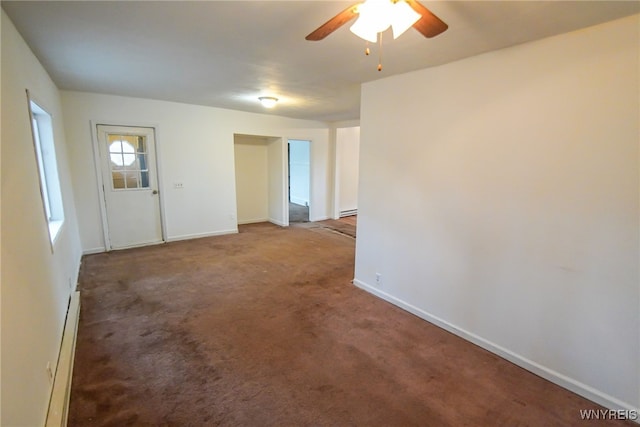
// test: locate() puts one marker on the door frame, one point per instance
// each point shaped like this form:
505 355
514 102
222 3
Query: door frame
287 174
100 181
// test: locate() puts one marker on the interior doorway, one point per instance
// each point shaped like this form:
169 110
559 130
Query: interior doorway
299 161
260 179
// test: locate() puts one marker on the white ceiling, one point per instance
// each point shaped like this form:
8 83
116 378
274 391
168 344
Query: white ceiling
227 53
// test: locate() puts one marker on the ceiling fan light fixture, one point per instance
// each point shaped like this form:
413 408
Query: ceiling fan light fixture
365 32
403 18
373 19
375 16
268 101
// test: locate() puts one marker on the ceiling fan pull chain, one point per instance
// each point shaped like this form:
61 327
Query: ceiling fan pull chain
380 52
367 51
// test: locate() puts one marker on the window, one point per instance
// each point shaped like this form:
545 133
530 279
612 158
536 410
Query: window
46 157
128 155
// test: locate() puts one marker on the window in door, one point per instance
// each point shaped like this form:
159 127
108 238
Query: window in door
128 164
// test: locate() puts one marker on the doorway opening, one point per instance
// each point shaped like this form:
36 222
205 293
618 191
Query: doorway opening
299 160
260 179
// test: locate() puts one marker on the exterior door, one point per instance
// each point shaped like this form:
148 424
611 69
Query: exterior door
130 181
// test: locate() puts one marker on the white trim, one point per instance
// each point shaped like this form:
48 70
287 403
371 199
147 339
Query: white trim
280 223
336 174
284 161
92 251
253 221
138 245
54 230
160 181
286 177
312 170
201 235
100 182
61 390
540 370
43 138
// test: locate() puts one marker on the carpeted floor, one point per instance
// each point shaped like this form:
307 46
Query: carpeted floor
298 213
264 328
346 226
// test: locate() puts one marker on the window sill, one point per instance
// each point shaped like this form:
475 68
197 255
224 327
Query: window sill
54 230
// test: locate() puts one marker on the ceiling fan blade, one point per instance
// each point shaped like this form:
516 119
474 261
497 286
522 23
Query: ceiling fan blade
333 24
429 25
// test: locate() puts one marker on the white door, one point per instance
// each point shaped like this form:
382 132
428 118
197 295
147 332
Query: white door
130 180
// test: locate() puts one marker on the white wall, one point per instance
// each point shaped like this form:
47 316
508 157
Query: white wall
299 171
36 283
1 20
505 207
347 167
196 148
276 159
252 180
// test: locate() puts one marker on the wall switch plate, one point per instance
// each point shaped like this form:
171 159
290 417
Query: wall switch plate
178 185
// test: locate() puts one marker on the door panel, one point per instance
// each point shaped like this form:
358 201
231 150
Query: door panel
130 179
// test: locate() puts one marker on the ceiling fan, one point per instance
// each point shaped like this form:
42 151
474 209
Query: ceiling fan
380 15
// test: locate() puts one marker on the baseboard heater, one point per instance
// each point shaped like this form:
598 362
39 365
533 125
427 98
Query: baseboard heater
350 212
61 391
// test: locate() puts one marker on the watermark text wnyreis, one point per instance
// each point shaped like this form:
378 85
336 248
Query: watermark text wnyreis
609 414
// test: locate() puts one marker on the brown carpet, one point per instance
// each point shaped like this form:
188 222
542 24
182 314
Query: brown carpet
264 328
342 225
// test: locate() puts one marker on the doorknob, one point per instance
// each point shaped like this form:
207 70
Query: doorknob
154 192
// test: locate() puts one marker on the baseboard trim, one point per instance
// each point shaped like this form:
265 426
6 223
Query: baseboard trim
94 251
61 390
201 235
570 384
170 239
252 221
277 222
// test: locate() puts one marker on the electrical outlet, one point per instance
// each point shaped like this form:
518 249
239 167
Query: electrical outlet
378 279
49 372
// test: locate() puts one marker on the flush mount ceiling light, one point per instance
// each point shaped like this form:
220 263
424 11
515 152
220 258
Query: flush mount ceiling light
268 101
